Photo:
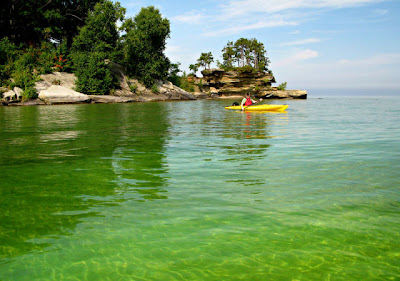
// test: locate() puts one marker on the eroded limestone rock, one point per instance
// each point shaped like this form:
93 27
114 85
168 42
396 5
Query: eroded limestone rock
56 94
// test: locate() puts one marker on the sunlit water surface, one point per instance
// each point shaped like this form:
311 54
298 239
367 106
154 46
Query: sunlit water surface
190 191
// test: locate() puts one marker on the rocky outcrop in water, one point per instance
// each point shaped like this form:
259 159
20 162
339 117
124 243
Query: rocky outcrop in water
56 94
232 83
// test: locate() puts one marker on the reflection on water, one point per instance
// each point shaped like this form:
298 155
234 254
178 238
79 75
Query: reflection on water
190 191
138 160
59 161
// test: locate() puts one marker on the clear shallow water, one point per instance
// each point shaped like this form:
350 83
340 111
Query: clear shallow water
190 191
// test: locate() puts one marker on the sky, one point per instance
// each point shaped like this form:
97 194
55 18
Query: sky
312 44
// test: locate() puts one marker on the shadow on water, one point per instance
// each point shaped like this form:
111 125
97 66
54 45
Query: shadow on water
59 162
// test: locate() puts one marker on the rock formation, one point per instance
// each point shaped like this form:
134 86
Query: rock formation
231 83
57 94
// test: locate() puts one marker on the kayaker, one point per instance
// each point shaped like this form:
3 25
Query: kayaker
247 101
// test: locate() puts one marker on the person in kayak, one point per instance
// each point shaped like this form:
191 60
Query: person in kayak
247 101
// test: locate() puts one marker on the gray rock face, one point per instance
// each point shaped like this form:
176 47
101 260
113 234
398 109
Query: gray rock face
64 79
173 92
56 94
9 96
18 92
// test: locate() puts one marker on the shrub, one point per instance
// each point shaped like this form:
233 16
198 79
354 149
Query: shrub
45 58
133 87
282 86
29 93
24 77
94 76
8 52
155 89
246 69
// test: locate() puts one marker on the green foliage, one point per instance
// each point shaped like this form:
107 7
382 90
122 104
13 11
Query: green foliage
29 93
45 58
173 76
62 61
144 46
41 20
246 69
97 41
133 87
245 52
155 89
23 74
8 52
200 84
282 86
100 32
205 60
94 76
194 68
186 82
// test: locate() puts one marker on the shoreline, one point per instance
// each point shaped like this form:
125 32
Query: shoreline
58 88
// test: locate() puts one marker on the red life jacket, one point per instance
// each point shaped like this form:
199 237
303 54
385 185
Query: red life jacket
248 102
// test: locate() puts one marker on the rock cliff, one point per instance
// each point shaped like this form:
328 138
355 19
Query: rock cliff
231 83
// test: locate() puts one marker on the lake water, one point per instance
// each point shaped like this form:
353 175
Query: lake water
190 191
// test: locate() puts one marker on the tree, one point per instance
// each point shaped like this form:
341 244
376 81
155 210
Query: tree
97 41
144 45
229 54
194 68
205 60
241 46
94 75
246 52
173 76
37 20
100 33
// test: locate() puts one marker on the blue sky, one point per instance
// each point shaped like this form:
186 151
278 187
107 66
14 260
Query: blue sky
353 44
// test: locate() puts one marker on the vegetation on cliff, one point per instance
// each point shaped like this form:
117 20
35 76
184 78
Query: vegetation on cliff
38 37
244 55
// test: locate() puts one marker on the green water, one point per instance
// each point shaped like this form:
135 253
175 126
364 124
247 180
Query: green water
190 191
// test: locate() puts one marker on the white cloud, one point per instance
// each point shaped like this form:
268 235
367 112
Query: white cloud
243 27
296 57
240 7
301 42
381 12
192 17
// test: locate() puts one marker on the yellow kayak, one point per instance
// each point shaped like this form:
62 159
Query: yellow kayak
260 107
